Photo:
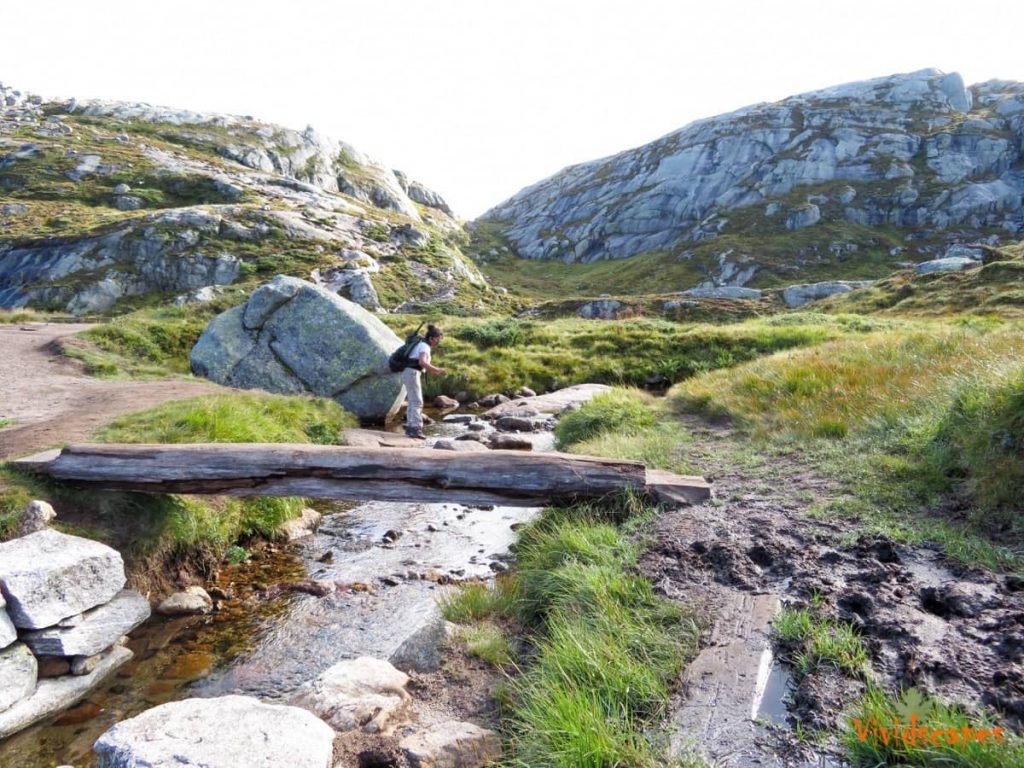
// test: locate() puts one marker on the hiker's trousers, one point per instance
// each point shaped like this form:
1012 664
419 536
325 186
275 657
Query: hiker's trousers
414 394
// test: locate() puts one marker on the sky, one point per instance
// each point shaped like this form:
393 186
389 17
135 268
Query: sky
478 99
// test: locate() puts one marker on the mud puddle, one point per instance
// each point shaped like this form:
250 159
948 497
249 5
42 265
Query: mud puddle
955 632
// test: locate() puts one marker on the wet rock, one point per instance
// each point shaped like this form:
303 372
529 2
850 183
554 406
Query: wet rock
452 745
99 628
458 418
525 392
47 576
52 696
443 402
510 443
18 674
226 732
391 536
423 649
303 525
192 600
515 424
460 445
475 435
364 693
490 401
476 426
36 516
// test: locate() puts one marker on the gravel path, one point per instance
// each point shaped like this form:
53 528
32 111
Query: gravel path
50 399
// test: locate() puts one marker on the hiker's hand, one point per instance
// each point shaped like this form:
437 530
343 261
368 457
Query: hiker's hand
442 371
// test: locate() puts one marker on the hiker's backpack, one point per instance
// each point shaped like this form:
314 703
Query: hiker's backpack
399 359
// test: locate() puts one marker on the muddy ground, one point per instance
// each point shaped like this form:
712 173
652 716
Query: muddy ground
953 631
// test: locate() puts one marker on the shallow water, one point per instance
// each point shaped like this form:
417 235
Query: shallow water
268 647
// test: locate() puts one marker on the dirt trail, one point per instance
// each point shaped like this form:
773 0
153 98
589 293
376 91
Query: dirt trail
927 622
51 400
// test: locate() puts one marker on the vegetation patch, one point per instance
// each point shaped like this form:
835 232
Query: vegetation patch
601 648
619 411
809 641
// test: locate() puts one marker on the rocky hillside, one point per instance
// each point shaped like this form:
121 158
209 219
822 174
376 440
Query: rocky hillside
848 182
106 206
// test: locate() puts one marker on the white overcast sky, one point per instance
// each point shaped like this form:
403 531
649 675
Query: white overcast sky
478 99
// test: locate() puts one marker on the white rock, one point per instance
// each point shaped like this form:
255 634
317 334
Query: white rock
304 525
192 600
52 696
364 693
225 732
952 264
8 634
460 446
724 292
35 517
452 744
99 628
798 295
18 674
48 576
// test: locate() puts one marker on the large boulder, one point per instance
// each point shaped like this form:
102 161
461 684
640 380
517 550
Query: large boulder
292 336
947 264
452 745
363 693
798 295
226 732
99 628
49 576
8 634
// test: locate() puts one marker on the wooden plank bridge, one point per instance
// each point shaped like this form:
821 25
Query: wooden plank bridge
360 473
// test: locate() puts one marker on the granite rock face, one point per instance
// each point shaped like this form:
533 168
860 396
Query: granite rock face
49 576
99 628
292 336
798 295
918 151
452 744
226 732
8 634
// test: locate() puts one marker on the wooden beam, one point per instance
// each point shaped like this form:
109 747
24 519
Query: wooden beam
514 478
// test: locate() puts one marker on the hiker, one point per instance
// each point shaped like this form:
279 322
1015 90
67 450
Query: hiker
419 361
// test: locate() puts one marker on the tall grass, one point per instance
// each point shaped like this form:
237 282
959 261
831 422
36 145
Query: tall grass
618 411
604 647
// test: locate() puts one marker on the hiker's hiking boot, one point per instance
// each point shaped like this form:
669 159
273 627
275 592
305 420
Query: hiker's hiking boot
415 433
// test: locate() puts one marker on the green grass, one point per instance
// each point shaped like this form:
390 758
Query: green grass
604 647
884 729
234 418
562 352
810 641
619 411
489 643
901 418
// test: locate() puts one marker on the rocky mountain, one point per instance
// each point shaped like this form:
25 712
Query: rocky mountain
105 206
847 182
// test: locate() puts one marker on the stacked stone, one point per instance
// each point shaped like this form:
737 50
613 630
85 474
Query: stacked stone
63 615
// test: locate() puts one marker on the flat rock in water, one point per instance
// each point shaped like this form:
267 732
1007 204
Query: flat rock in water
464 446
363 693
376 438
8 634
99 629
193 600
52 696
18 674
510 443
452 745
225 732
553 402
48 576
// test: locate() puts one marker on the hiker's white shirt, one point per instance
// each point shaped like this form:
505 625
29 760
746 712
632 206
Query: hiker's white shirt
418 350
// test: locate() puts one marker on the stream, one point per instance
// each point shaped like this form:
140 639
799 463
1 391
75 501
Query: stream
388 563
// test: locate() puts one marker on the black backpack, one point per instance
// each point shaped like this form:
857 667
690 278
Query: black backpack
399 359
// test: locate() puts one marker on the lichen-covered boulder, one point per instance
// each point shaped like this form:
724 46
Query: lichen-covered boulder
292 336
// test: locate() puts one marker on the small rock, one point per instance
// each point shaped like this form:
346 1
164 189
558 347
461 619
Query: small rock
364 693
194 600
505 442
304 525
452 745
128 203
444 402
458 418
525 392
36 516
326 557
391 535
515 424
122 189
85 665
490 401
476 426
